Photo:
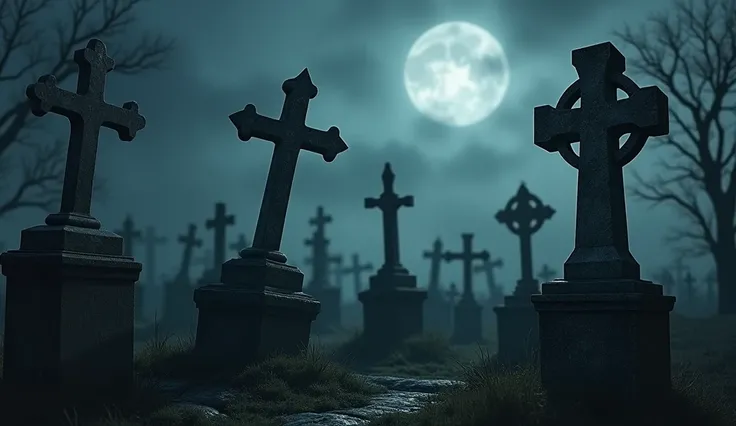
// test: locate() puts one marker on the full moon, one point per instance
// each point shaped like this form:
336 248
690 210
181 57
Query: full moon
456 73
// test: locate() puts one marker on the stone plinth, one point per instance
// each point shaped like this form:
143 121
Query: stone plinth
518 331
392 309
468 324
69 317
257 310
330 315
613 336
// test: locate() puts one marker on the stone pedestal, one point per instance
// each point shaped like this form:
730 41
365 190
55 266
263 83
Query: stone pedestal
69 315
330 315
467 326
611 335
518 331
258 309
392 309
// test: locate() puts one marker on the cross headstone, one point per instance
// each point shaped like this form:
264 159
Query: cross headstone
356 270
337 270
190 242
546 273
151 240
389 203
467 327
289 135
219 224
240 243
452 294
320 259
524 215
467 256
488 267
130 235
435 258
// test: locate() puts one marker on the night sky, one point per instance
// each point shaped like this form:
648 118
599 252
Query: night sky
188 157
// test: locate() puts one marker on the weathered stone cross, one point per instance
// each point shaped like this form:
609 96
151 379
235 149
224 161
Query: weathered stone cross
220 223
289 135
389 203
190 242
151 240
467 256
240 243
487 268
87 112
356 270
601 235
319 243
435 258
546 273
524 215
130 235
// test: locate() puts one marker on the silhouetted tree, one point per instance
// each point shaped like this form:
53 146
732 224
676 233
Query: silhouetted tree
39 37
690 51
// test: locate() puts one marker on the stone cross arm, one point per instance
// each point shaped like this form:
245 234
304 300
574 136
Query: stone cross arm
449 256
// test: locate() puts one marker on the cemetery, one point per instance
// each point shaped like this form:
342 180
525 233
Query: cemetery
96 332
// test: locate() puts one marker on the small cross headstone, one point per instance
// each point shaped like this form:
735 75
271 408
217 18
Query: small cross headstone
130 235
524 215
151 240
467 256
488 268
190 242
356 270
435 258
179 313
452 294
546 273
467 327
389 203
320 259
240 243
219 224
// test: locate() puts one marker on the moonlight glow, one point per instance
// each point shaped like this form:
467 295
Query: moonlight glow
456 73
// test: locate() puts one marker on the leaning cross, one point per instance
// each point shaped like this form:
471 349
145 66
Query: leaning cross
389 203
190 241
87 112
546 273
240 243
289 135
487 267
151 240
219 223
601 235
467 256
524 215
356 270
320 220
130 235
435 257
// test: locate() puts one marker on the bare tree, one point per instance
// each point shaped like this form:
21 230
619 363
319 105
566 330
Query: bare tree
691 53
28 49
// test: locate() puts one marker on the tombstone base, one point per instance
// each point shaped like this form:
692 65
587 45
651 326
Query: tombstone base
255 312
468 324
390 315
608 339
69 315
518 331
330 315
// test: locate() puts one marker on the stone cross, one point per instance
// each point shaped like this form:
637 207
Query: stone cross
356 270
452 293
601 234
240 243
151 240
389 203
546 273
87 112
435 257
487 268
689 282
337 270
190 242
467 256
289 135
220 223
130 235
319 243
524 215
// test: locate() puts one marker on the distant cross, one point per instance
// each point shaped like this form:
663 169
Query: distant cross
488 266
389 203
467 256
151 240
689 282
190 242
601 235
356 270
289 135
220 223
337 270
435 258
710 281
452 294
87 112
546 273
241 243
524 215
130 235
319 243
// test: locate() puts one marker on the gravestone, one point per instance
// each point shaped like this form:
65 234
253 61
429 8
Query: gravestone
218 224
319 286
132 235
437 311
239 244
467 326
151 241
179 311
352 310
517 321
392 305
356 270
593 321
69 318
546 273
495 291
259 308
